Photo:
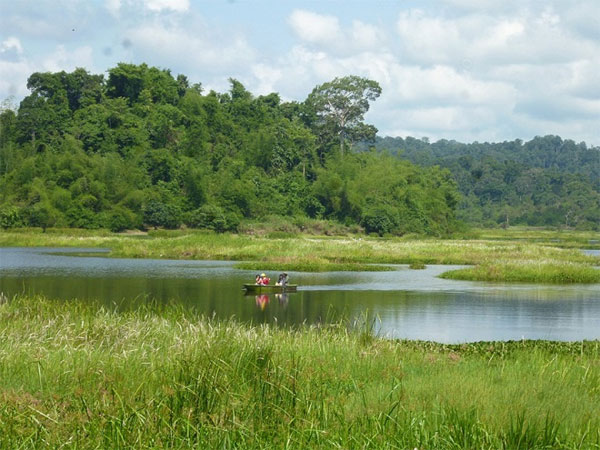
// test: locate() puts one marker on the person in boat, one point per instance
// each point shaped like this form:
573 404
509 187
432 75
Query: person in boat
283 279
257 279
264 279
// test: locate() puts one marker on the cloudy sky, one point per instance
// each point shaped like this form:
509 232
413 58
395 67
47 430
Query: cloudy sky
470 70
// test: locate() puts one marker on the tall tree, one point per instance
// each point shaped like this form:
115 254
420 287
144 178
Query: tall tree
339 107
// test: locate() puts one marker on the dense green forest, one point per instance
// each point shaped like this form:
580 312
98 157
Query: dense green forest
141 148
547 181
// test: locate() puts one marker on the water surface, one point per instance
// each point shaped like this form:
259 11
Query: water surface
405 303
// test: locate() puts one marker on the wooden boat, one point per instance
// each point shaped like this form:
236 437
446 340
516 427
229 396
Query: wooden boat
261 288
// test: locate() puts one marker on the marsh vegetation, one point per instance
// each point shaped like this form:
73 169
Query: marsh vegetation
83 376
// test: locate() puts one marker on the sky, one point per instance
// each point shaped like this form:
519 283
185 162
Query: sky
468 70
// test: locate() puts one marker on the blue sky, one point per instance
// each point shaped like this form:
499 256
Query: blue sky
485 70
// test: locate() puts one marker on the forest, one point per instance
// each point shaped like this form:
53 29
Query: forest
546 181
140 148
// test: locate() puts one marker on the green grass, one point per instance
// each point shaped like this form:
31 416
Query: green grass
514 255
532 272
76 375
555 238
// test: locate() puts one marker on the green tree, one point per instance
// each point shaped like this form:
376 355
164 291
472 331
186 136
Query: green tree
10 217
42 215
145 148
160 214
43 115
339 107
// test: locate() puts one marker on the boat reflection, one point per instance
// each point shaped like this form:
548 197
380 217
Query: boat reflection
263 300
283 299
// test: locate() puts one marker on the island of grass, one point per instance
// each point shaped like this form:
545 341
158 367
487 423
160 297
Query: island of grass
503 255
77 375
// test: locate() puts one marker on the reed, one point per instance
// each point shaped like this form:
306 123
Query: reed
77 375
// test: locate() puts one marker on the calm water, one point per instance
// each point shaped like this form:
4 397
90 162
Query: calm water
412 304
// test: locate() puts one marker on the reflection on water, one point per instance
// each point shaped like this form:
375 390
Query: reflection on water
404 303
263 300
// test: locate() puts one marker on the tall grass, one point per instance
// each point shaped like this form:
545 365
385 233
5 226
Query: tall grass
529 272
78 375
552 237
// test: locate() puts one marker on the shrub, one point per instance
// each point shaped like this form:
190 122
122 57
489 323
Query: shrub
120 219
10 217
380 220
212 217
159 214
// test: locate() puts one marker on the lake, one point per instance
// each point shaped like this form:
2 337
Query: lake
403 303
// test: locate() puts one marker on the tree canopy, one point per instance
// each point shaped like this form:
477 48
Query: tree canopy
548 181
338 107
142 148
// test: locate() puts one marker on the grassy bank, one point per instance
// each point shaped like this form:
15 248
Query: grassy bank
80 376
313 253
549 272
555 238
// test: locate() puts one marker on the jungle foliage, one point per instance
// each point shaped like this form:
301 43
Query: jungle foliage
141 148
547 181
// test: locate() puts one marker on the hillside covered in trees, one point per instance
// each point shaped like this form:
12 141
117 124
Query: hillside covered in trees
141 148
547 181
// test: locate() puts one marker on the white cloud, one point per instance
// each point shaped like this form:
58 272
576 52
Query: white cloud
485 39
267 77
194 52
443 85
490 6
585 79
326 33
315 28
62 59
13 79
366 36
167 5
14 73
11 45
114 7
155 6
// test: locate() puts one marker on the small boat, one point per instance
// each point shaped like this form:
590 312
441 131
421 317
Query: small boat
266 288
